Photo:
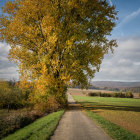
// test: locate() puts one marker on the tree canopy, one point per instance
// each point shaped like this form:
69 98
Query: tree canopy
55 42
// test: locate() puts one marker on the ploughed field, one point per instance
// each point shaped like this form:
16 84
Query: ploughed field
123 112
83 92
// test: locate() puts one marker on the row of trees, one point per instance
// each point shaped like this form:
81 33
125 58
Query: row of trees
55 42
132 89
127 94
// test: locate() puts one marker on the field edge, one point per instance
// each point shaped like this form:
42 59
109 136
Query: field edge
114 131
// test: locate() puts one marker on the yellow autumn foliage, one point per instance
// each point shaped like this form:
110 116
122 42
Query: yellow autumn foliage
55 42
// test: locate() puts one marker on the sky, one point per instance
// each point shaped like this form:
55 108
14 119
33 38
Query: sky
123 65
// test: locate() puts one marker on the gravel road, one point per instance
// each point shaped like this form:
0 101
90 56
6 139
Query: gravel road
75 125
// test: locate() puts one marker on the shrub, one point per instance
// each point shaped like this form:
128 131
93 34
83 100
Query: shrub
49 104
25 120
92 94
17 120
105 95
12 97
99 94
119 94
128 94
63 102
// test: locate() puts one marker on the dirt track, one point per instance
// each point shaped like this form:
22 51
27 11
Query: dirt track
75 125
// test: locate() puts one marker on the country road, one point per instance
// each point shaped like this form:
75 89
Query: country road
75 125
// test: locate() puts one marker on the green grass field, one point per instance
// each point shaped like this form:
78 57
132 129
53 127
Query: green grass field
122 112
126 102
41 129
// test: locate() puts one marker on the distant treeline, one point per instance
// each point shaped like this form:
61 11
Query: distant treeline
117 94
99 88
134 89
104 88
131 89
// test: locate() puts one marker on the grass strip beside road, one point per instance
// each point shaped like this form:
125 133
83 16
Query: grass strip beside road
41 129
116 132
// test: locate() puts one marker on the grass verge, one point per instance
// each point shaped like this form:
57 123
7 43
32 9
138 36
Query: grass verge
41 129
116 132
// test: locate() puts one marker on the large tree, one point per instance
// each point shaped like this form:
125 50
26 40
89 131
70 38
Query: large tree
55 42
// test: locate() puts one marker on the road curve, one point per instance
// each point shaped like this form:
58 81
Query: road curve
75 125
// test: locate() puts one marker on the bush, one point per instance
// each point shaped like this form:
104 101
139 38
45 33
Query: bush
94 94
99 94
48 105
119 95
105 95
12 97
129 94
16 121
25 120
51 100
63 102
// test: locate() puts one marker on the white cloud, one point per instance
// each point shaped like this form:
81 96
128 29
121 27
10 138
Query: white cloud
129 18
8 70
4 49
110 2
124 65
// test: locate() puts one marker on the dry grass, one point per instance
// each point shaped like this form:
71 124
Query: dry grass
127 119
15 119
4 112
136 95
83 92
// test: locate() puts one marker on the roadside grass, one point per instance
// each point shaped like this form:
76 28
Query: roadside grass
41 129
116 132
120 111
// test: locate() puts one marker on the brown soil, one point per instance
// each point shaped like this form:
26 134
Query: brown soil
127 119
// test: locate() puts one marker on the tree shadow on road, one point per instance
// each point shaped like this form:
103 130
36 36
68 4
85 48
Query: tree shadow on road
74 106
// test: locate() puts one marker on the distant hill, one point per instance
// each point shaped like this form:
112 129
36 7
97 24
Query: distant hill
134 87
114 84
